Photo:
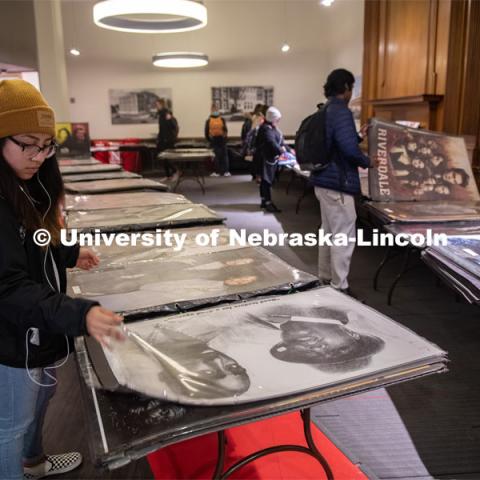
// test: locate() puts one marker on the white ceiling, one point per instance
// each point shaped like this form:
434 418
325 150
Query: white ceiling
244 30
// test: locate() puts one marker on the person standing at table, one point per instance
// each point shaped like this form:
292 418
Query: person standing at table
216 134
37 320
167 133
338 183
269 146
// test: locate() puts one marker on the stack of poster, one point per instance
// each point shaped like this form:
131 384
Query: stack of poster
420 166
427 212
458 264
185 282
122 200
82 169
315 341
449 229
141 218
114 185
74 162
88 177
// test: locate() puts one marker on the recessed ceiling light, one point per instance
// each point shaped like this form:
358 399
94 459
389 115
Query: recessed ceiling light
150 16
285 47
326 3
180 59
75 52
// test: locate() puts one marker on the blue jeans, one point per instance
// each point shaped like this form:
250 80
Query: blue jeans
23 405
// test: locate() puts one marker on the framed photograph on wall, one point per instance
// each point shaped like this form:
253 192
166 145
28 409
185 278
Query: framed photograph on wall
137 106
234 102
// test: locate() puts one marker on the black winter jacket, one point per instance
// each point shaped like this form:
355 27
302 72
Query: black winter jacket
27 300
341 173
268 146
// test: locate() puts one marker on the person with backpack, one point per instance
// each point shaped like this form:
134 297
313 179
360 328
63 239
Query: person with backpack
269 146
335 173
37 320
216 134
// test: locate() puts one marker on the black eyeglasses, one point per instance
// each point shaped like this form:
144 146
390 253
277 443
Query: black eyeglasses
33 150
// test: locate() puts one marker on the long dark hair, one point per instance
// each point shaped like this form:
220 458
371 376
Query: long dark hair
32 218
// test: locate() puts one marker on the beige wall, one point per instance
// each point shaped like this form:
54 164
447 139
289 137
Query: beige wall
17 34
243 40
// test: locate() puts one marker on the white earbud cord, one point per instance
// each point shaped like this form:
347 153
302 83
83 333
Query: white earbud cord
48 252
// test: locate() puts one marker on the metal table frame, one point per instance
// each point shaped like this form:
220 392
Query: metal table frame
311 450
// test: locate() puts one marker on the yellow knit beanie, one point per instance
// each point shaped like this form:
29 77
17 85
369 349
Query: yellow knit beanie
24 110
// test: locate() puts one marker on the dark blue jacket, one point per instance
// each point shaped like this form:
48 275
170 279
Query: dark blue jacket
341 174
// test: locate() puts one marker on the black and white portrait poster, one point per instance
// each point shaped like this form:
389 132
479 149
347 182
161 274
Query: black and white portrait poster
136 106
418 165
263 349
192 244
202 279
235 102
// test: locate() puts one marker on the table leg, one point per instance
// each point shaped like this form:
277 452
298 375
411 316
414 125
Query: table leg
306 188
221 455
311 450
380 267
406 261
178 180
307 429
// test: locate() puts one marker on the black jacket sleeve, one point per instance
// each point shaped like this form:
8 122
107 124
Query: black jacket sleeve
346 138
271 145
70 255
27 303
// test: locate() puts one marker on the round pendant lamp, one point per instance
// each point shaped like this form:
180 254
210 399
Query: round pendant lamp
150 16
180 60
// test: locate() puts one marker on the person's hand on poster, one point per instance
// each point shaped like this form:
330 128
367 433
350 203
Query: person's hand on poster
374 162
87 259
364 130
103 324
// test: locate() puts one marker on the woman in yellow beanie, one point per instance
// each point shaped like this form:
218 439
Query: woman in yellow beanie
37 319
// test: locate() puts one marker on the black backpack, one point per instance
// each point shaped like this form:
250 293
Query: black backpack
310 141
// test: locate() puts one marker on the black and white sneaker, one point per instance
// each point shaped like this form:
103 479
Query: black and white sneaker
53 465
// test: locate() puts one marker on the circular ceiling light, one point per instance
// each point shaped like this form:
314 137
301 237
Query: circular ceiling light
147 16
180 60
